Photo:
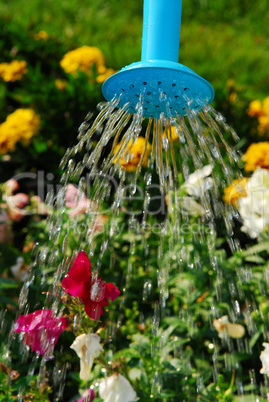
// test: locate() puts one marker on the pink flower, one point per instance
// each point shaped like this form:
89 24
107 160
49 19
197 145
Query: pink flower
18 200
76 200
11 186
87 396
42 330
15 203
93 292
98 224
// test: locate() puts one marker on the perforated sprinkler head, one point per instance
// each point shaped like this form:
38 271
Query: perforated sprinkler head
158 80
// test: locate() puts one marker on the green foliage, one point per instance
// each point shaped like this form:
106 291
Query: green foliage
172 362
61 110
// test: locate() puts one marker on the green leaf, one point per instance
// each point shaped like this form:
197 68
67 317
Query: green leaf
40 146
256 249
254 339
254 258
6 283
7 300
248 398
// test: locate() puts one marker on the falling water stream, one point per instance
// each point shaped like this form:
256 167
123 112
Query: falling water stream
157 202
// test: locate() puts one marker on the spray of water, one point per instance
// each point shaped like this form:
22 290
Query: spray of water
155 179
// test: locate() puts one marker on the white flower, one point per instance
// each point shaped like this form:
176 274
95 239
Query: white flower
87 347
20 270
199 182
224 328
264 356
116 389
190 206
254 208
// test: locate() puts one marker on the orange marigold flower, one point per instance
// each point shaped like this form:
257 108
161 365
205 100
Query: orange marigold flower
257 155
263 124
174 133
20 125
60 84
41 35
261 111
104 73
255 108
13 71
232 97
82 59
132 154
235 191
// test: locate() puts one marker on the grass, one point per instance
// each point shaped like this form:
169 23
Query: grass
217 41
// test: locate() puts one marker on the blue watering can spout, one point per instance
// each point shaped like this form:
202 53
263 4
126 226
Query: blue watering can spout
161 30
159 71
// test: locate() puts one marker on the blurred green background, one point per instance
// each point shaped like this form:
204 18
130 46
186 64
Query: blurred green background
219 39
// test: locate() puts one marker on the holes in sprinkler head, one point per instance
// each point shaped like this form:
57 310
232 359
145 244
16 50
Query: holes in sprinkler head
148 93
174 85
144 83
157 106
137 96
131 86
122 89
176 96
186 89
159 82
147 101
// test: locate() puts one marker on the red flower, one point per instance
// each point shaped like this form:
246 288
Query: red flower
93 292
42 330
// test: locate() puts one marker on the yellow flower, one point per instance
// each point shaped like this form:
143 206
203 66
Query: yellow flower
234 191
263 123
7 142
41 35
261 111
132 154
257 155
104 73
174 133
232 97
60 84
265 105
82 59
13 71
20 125
255 108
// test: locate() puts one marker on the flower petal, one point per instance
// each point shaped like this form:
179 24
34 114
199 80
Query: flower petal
30 322
95 310
235 330
112 292
42 330
78 274
117 389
